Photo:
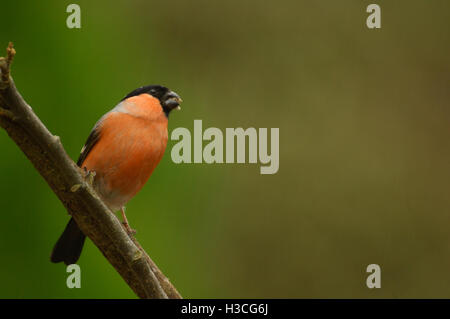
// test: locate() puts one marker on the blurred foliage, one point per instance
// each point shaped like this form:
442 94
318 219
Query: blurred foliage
364 144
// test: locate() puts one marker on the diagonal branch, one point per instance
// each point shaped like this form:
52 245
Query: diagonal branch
65 178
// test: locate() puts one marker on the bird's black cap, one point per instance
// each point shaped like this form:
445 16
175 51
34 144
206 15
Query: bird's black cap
169 100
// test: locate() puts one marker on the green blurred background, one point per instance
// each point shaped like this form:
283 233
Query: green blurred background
364 144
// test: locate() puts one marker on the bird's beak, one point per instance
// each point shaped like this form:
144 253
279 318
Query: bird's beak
173 100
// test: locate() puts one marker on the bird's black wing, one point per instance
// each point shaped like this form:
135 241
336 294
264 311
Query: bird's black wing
91 141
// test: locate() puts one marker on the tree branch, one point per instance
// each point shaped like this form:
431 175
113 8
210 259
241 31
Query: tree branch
67 181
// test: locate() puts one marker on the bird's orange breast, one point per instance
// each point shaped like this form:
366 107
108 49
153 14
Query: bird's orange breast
130 146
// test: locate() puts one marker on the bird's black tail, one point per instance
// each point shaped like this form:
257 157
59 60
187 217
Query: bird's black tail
69 245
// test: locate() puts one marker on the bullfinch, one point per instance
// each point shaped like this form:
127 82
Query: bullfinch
122 151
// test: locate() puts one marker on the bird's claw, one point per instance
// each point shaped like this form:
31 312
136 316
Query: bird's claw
129 230
89 175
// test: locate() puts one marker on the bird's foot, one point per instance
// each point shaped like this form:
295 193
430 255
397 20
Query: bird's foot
129 230
89 175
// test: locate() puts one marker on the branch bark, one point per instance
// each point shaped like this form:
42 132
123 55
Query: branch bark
67 181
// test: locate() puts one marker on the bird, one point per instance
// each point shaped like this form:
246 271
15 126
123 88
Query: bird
121 152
